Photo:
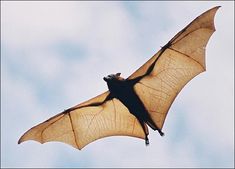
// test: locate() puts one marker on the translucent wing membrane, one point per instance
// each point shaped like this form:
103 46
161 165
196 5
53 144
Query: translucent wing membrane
83 125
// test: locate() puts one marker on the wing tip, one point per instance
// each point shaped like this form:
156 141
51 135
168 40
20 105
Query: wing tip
213 9
217 7
30 136
19 141
23 139
211 12
26 137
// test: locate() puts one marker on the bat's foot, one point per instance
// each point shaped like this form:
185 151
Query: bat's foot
146 141
161 133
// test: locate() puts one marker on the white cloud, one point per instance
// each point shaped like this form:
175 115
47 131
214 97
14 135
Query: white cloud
114 40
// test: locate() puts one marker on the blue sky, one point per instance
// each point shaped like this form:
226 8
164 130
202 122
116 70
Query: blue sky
55 54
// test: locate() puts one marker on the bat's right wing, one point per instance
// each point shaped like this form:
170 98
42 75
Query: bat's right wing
163 76
87 122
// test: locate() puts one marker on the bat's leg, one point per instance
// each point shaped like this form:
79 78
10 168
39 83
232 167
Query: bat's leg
146 132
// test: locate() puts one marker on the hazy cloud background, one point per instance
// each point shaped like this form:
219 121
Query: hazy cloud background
55 54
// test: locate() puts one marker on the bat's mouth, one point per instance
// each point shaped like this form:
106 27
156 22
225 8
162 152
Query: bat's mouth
105 79
109 77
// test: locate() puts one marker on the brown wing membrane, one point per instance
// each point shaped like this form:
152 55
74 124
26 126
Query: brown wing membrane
170 69
84 124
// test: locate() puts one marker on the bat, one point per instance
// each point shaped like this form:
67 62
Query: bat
140 101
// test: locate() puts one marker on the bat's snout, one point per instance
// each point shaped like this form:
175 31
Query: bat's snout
105 79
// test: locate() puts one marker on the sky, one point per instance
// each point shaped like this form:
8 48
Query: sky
55 54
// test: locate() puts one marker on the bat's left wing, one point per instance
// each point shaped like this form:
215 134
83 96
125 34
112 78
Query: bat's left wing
163 76
82 124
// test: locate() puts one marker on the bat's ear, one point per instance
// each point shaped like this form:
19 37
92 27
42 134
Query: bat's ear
118 74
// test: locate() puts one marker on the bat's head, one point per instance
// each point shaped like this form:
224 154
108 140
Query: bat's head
113 77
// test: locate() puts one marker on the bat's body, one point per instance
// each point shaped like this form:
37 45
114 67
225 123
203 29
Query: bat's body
123 90
144 98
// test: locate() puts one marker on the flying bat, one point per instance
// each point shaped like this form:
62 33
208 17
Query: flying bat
140 101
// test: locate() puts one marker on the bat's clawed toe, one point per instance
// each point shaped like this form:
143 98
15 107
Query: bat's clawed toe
161 133
146 141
